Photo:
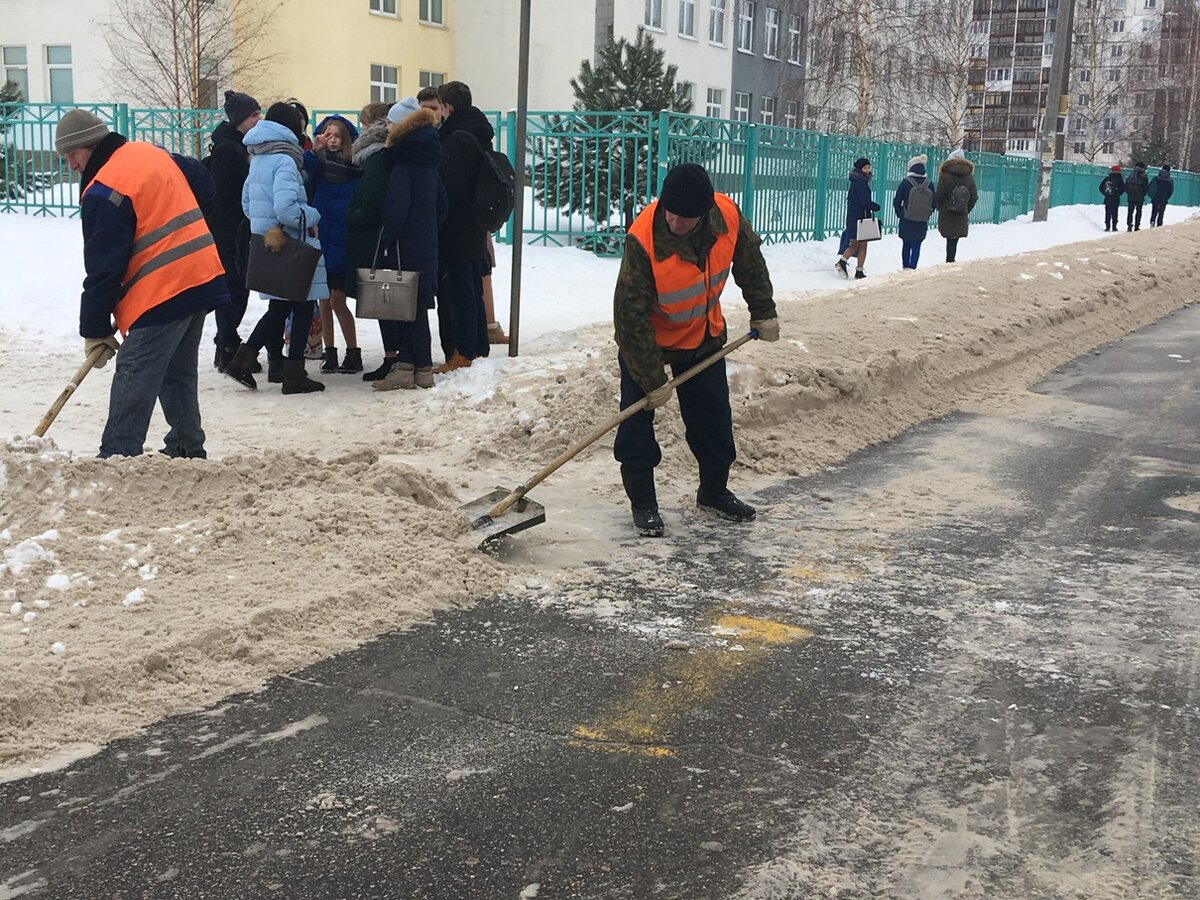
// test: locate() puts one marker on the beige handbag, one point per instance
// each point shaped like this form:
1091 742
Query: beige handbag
387 293
868 230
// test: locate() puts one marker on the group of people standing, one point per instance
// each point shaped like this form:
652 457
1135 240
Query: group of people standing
394 193
1137 187
916 198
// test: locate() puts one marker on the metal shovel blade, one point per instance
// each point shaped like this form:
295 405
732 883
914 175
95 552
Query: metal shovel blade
525 513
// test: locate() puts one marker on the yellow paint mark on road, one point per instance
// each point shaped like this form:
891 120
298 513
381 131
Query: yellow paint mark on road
643 721
816 573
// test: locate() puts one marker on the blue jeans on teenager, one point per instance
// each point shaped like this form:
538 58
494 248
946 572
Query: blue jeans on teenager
156 363
910 252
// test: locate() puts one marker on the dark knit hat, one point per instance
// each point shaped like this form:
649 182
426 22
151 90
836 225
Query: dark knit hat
239 107
300 108
861 163
79 128
687 191
1166 168
285 114
1139 165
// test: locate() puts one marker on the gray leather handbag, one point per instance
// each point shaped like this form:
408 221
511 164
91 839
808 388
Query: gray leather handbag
386 293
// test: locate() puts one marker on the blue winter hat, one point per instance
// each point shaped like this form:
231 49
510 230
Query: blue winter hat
917 169
349 126
402 109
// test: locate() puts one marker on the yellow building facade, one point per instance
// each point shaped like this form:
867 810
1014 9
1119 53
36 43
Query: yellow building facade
343 54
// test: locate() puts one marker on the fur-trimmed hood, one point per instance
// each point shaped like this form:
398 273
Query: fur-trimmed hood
415 140
963 167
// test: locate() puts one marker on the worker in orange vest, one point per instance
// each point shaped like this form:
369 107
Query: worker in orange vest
151 266
679 253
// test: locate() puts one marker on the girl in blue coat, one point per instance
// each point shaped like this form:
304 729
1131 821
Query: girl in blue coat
859 205
914 210
332 178
275 202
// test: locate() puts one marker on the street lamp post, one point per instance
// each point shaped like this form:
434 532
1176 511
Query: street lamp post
1054 121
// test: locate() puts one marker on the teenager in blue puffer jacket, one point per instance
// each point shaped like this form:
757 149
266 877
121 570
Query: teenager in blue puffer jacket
332 178
275 202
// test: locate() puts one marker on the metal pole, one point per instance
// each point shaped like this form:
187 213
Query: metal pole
1054 122
518 229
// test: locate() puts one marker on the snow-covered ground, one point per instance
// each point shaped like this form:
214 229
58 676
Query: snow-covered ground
134 588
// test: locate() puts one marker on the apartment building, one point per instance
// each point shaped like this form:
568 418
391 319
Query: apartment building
739 59
50 49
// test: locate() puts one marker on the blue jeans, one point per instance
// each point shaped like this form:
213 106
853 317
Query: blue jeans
910 252
156 363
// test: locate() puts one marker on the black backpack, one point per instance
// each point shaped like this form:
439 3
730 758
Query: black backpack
959 200
495 189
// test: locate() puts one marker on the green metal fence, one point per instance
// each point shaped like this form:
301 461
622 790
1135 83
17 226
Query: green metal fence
589 173
1080 183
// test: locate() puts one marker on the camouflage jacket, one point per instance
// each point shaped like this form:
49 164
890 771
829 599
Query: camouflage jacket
636 297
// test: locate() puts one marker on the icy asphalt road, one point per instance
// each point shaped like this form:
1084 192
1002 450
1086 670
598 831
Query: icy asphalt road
964 664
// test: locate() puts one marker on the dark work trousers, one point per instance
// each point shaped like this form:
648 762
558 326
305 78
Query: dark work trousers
461 318
951 249
410 341
269 330
229 317
910 252
1134 218
1156 212
1112 213
707 422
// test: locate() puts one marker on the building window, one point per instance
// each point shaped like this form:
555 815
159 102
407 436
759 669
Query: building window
741 106
795 48
653 17
1079 147
791 112
1082 99
1118 26
432 79
384 7
431 12
716 22
1106 148
1114 74
686 91
687 18
1149 4
1085 76
384 81
58 67
1116 50
745 32
206 93
716 103
16 69
772 20
1109 124
766 111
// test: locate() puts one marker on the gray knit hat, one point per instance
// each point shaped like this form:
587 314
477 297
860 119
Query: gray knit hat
79 128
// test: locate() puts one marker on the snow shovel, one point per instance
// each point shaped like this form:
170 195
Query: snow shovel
492 515
52 413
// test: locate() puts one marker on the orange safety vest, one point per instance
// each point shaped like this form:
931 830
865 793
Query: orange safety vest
689 299
173 249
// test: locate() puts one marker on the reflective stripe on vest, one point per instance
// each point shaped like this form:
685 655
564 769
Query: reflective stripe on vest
689 298
173 249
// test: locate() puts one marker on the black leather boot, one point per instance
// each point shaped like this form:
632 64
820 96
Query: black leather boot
639 488
330 363
296 380
352 361
240 367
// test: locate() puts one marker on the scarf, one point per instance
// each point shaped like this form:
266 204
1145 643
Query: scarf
334 170
285 147
370 141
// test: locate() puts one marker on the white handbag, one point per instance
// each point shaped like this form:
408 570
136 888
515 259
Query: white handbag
868 230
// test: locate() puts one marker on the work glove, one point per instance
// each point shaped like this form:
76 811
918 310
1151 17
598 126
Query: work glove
657 397
90 344
768 329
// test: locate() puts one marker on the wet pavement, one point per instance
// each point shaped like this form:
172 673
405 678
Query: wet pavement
963 664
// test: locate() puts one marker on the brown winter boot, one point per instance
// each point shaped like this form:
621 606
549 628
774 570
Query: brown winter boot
456 361
240 367
496 334
296 381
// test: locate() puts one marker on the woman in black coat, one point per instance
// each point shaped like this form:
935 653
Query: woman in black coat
414 205
859 205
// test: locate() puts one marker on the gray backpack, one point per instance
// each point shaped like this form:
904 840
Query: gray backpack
920 201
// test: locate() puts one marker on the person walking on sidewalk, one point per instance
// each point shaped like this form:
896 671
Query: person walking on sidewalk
462 243
956 196
914 203
1112 186
1135 193
859 205
150 265
679 253
1160 190
229 163
332 177
274 200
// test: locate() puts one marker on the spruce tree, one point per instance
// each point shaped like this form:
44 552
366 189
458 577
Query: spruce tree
595 164
13 177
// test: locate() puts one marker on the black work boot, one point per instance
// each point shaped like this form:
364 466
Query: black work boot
639 488
352 361
240 367
725 505
296 380
330 362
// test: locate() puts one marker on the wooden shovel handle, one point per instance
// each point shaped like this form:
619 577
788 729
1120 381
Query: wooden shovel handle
52 413
605 427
